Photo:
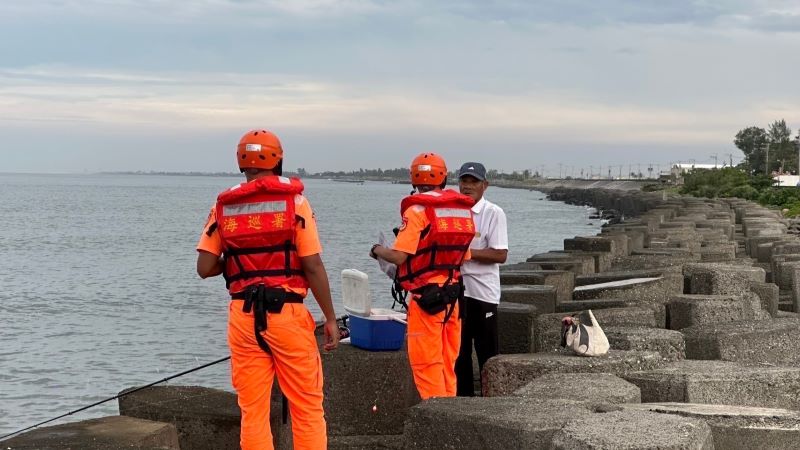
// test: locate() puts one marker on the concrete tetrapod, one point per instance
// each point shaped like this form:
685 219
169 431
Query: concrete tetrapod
772 341
500 423
630 430
591 387
720 382
738 427
504 374
106 433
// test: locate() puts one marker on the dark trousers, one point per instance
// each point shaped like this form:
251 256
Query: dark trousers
482 330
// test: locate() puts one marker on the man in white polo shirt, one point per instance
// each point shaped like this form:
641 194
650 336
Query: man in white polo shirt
481 277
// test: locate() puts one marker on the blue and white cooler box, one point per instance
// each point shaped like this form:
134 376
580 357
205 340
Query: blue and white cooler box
384 329
373 329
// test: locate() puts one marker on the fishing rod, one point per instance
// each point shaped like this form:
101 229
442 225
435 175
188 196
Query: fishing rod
185 372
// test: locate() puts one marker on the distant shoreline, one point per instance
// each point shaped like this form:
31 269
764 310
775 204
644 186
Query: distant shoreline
174 174
516 184
530 183
537 184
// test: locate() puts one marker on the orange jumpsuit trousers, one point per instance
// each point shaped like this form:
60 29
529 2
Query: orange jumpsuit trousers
432 351
295 360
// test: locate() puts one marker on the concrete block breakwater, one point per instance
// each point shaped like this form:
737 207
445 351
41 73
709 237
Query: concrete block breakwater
699 299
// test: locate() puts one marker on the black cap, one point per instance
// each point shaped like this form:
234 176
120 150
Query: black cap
473 169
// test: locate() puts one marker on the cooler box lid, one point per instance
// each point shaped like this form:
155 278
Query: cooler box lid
355 292
386 314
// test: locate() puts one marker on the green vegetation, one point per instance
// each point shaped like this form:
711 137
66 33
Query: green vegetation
655 187
401 174
734 182
770 150
767 152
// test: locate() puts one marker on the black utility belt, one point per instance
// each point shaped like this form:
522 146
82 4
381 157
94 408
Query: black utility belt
289 297
261 299
434 299
434 286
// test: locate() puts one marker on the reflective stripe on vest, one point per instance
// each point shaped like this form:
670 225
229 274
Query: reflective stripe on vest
256 222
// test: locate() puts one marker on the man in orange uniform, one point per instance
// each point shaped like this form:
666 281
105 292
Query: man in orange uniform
262 237
431 244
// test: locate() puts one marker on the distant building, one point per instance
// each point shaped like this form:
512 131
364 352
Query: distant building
786 180
679 169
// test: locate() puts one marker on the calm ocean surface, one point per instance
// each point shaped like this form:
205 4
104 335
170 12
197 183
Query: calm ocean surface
98 290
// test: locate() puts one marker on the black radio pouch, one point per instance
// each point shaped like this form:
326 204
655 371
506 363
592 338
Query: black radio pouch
434 299
263 300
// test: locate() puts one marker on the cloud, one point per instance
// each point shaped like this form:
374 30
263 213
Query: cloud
775 21
626 51
570 49
251 12
225 100
764 15
600 76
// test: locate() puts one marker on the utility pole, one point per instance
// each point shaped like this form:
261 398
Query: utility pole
714 157
766 163
559 171
629 171
620 171
797 146
730 158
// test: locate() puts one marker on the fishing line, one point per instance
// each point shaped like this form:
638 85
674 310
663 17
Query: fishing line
185 372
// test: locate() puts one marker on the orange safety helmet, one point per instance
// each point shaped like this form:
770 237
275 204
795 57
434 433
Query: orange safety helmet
259 149
428 169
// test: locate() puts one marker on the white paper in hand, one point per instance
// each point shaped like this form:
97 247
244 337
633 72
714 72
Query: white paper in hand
386 267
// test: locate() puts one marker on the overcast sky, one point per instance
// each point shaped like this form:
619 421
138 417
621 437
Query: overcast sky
104 85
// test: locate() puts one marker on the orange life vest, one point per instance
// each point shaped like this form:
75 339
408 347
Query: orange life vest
256 222
444 243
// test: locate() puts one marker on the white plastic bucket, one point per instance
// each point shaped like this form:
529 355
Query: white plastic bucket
355 292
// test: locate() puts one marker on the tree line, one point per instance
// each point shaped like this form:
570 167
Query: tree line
734 182
770 150
402 174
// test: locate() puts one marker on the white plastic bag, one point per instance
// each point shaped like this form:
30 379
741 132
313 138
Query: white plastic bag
582 334
386 267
